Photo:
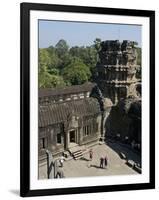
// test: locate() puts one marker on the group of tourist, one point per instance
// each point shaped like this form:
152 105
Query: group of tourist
103 160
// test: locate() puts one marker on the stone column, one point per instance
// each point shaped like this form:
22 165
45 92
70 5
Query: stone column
55 168
66 127
80 135
50 165
67 140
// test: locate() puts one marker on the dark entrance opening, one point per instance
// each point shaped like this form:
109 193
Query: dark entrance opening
72 136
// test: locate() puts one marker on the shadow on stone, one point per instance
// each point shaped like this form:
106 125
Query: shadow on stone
84 159
96 166
124 152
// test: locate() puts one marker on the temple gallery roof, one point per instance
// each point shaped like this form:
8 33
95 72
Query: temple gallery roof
59 112
66 90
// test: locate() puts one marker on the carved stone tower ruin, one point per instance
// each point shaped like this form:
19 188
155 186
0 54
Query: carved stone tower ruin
116 69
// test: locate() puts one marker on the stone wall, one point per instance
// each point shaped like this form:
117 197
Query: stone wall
124 121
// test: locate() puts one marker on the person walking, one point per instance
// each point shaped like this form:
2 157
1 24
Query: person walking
106 161
101 162
90 154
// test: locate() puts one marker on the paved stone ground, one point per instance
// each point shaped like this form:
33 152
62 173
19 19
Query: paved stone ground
81 168
116 166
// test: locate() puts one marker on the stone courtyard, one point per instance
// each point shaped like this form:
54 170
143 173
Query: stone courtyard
92 113
116 166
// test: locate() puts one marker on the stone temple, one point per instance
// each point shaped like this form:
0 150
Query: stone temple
116 70
72 119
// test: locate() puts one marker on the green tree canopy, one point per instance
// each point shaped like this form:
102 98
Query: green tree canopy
47 80
88 55
44 60
60 65
61 48
48 73
76 73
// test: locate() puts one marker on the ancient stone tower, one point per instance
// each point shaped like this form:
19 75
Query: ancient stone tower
116 70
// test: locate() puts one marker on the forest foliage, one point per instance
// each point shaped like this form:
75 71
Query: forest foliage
61 65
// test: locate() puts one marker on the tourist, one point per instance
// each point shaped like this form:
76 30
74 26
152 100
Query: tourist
59 174
101 162
106 161
91 154
62 160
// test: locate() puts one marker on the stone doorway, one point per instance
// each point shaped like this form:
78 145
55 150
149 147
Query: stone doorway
72 136
72 139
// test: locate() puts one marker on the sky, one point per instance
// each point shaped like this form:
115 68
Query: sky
84 33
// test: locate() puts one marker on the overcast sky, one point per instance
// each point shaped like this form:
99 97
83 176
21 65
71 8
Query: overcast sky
83 34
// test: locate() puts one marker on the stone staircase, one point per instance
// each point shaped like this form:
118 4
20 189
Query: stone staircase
76 152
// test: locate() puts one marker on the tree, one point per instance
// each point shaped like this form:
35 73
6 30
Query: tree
48 73
53 56
88 55
47 80
44 60
61 48
62 52
75 51
60 65
76 73
54 61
